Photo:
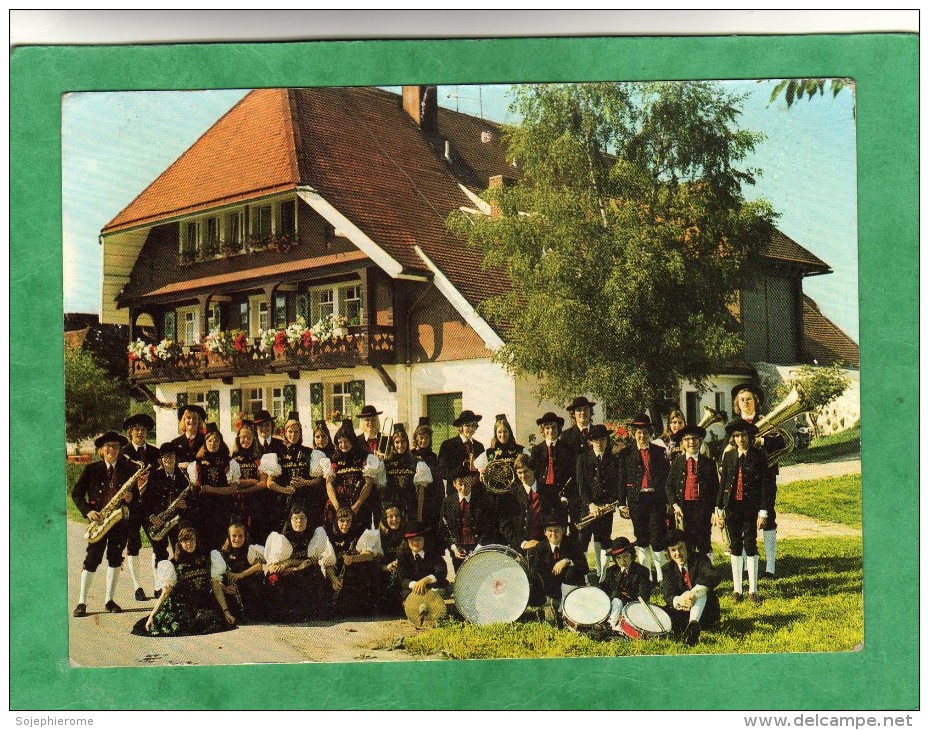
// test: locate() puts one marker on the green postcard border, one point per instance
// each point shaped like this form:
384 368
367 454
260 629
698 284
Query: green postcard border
881 676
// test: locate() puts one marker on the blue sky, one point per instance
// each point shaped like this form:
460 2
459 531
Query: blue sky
115 143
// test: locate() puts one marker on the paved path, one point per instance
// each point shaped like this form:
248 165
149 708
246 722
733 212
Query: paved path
102 639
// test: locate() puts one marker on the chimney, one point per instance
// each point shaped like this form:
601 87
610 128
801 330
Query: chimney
498 181
422 104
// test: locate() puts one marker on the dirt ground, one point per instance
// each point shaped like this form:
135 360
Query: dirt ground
103 639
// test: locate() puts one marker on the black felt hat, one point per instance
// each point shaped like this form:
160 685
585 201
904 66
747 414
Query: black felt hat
580 402
550 418
642 421
369 411
694 430
139 419
621 545
111 437
597 431
193 408
262 416
751 388
466 417
741 425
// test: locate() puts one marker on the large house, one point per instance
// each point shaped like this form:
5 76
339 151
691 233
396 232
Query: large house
297 257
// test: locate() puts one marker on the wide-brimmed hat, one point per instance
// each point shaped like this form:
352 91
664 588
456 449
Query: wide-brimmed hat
461 471
580 402
169 447
740 424
621 545
550 418
752 388
694 430
111 437
642 420
414 529
262 416
466 417
555 517
369 411
597 431
193 408
139 419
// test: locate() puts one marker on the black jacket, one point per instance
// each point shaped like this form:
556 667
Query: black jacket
754 484
564 460
451 520
152 454
707 480
187 452
515 520
409 569
629 587
90 490
452 455
543 561
598 479
701 572
634 468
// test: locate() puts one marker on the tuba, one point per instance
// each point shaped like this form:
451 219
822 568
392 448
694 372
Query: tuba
770 424
710 416
115 510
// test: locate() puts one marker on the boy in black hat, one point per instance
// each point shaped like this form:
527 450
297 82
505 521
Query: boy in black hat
96 487
741 503
747 401
643 497
165 485
555 464
369 428
575 436
465 518
693 487
688 587
625 581
460 450
267 441
137 428
599 474
419 567
559 562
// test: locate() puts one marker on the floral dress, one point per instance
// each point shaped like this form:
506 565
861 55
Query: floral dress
191 607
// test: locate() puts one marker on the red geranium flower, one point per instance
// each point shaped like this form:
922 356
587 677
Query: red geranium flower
280 342
307 339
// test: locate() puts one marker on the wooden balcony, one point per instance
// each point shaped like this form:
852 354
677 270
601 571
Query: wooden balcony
366 345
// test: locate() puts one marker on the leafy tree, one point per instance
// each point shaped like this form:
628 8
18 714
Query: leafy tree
625 239
94 402
795 89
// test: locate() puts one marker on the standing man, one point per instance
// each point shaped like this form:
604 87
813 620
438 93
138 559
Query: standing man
599 474
555 465
265 502
642 498
693 487
742 503
747 401
460 450
267 442
96 487
575 436
137 428
688 587
368 438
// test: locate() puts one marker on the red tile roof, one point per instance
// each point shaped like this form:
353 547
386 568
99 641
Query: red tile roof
784 248
824 341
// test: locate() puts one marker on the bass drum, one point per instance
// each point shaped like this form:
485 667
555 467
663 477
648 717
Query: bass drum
586 610
492 586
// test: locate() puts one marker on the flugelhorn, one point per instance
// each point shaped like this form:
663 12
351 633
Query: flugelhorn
115 510
770 424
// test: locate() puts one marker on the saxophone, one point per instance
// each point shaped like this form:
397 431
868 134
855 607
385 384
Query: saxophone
170 517
116 509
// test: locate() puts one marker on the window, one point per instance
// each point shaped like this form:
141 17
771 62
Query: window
342 299
213 320
280 311
190 241
442 409
288 218
720 403
189 318
255 400
258 314
261 221
235 230
243 316
693 401
169 325
211 244
338 401
278 404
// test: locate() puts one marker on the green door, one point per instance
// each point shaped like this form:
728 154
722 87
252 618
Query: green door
442 409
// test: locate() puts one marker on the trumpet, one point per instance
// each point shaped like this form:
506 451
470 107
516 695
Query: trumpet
590 517
116 509
385 441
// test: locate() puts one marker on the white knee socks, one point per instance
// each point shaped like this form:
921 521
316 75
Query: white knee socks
737 563
751 563
86 579
660 559
112 575
770 547
130 563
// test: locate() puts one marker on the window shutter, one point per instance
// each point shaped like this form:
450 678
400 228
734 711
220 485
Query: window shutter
357 390
290 399
170 325
235 408
212 406
316 402
303 308
341 294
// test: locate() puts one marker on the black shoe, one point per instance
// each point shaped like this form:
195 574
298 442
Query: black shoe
80 610
754 598
737 597
158 593
113 607
140 594
692 633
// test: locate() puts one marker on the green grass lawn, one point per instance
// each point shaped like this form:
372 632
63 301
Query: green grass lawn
814 605
834 499
828 448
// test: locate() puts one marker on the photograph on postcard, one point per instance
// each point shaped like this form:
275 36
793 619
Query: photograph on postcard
451 372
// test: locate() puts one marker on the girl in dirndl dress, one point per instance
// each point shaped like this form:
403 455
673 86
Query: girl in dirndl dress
391 529
244 581
351 477
352 555
216 476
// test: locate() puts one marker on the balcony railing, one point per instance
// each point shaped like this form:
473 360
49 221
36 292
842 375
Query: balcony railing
361 345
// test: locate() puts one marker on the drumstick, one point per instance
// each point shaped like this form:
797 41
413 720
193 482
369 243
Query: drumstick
651 613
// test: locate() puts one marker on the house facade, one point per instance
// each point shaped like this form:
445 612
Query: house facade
296 258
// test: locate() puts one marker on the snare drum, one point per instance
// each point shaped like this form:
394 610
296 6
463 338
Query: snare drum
586 610
638 622
492 585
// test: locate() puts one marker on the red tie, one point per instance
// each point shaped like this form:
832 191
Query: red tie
687 578
738 483
550 476
467 536
556 556
691 488
647 472
535 516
